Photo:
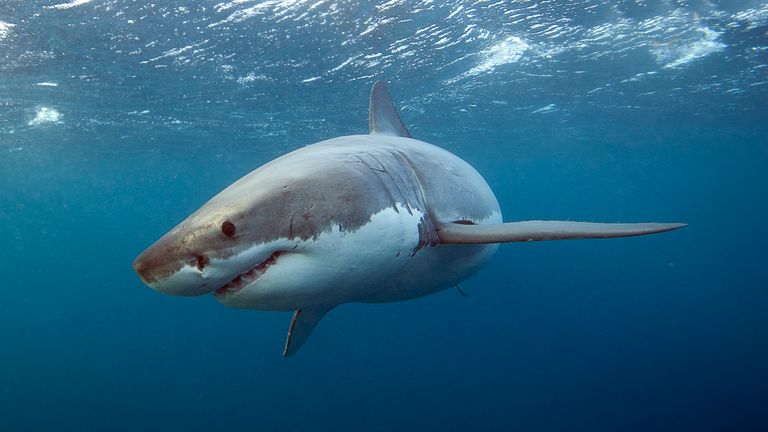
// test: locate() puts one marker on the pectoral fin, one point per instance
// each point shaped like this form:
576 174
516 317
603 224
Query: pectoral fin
545 230
302 324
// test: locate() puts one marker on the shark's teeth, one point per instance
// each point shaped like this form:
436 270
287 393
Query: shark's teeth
244 279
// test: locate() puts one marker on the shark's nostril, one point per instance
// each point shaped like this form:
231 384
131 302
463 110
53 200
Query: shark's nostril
202 260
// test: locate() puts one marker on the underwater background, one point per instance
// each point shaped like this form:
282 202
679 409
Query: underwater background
118 118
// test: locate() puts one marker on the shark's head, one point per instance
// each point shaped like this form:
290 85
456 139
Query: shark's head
271 219
236 235
222 244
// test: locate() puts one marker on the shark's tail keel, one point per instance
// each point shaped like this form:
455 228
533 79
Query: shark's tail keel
536 230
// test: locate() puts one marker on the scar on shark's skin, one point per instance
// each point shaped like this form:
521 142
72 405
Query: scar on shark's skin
369 218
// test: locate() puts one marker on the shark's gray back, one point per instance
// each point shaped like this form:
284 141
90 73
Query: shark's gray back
422 175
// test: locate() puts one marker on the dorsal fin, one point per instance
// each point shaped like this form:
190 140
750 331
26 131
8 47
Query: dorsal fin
382 114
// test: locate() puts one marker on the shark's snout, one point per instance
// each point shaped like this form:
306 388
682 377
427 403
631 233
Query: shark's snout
142 269
172 275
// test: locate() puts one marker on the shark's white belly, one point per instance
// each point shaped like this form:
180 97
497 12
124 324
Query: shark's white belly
375 263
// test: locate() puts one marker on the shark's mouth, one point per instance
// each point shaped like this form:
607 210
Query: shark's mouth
244 279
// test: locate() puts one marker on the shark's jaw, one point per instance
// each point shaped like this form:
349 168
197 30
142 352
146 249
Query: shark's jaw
247 278
206 274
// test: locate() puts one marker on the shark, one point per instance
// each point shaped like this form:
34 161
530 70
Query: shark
372 218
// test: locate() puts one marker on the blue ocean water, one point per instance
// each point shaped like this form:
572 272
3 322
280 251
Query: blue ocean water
118 118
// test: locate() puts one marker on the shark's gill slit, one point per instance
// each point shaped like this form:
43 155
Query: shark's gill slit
464 222
247 278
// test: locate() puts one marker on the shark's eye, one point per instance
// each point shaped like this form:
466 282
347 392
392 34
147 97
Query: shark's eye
228 228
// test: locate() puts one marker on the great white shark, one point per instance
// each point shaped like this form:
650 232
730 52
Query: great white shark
369 218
